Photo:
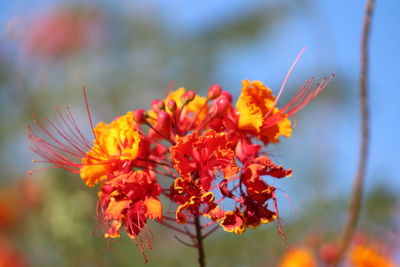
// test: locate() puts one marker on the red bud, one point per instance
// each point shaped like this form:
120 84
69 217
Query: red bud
171 105
227 95
214 91
139 116
188 96
164 123
220 105
157 105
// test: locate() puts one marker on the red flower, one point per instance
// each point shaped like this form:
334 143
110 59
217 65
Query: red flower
201 157
126 201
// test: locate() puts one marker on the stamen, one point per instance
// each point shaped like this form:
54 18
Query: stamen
46 132
306 93
88 112
155 130
72 120
79 140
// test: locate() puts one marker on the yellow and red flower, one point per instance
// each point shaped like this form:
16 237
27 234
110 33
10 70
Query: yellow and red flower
207 152
256 105
128 200
115 144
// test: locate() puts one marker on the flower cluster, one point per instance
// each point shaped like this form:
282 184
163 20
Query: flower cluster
208 155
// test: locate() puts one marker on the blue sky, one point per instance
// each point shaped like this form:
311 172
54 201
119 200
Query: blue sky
331 32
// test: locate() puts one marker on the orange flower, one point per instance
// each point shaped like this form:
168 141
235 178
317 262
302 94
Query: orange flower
255 105
115 144
298 257
259 115
368 256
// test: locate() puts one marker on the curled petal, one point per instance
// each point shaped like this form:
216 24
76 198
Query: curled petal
234 222
215 214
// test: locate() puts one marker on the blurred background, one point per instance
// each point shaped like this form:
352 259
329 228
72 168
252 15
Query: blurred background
127 52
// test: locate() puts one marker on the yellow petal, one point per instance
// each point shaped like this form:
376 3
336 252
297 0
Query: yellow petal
116 141
253 103
153 208
115 208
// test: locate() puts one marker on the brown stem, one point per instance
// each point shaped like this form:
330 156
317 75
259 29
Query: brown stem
199 238
356 198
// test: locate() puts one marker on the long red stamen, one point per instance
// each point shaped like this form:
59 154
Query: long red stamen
88 112
306 93
65 146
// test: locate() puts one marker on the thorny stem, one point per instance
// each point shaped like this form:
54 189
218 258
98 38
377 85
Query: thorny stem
199 238
355 202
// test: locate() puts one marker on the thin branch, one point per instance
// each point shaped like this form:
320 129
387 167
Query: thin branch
176 229
184 242
210 232
356 198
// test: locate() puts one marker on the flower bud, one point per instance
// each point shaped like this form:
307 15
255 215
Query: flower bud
214 91
164 123
220 105
139 116
157 105
227 95
171 105
188 96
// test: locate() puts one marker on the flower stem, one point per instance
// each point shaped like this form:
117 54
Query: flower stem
356 199
199 238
